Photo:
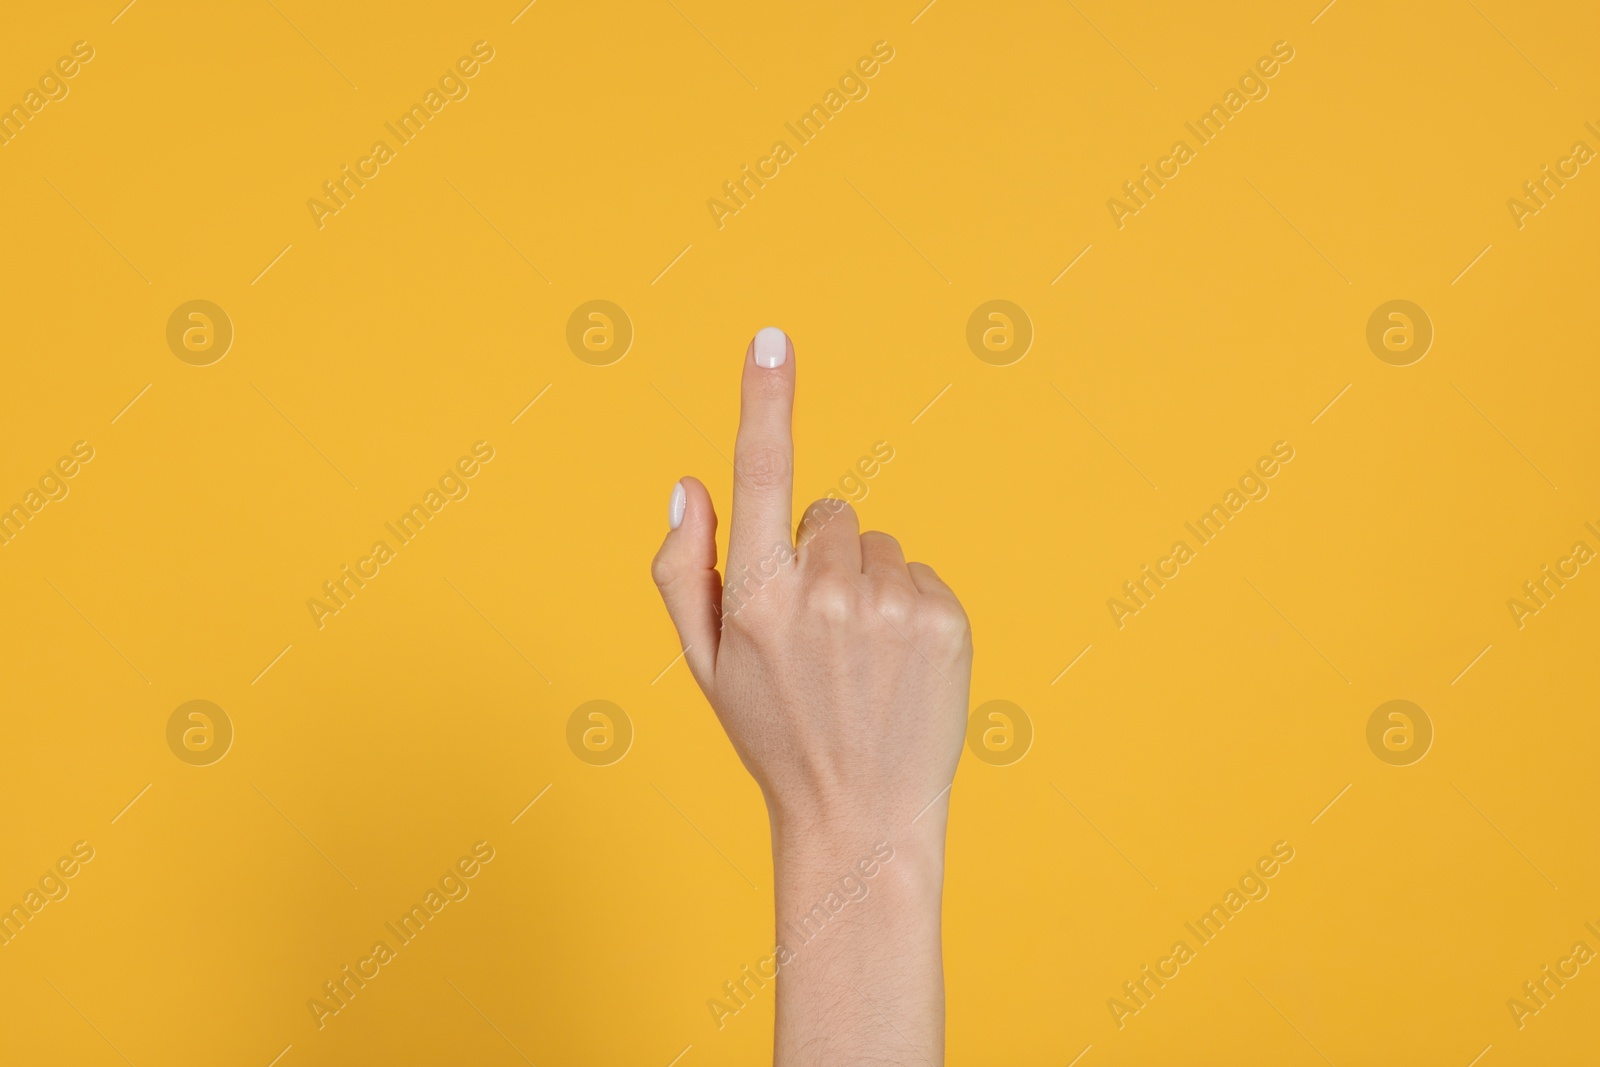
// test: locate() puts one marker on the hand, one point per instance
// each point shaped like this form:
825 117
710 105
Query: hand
841 675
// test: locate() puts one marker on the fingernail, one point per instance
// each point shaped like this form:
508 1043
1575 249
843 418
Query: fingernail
772 347
678 505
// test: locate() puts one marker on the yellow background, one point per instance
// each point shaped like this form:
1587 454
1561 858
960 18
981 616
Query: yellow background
1222 318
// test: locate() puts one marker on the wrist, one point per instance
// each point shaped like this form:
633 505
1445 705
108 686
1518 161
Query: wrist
823 821
839 861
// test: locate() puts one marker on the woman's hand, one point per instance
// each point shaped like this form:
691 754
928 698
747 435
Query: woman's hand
841 675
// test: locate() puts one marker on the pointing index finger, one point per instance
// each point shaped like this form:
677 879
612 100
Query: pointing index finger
763 453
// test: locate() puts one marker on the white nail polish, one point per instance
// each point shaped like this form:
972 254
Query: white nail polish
772 347
678 505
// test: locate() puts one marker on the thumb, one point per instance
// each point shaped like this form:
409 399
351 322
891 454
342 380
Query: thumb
685 570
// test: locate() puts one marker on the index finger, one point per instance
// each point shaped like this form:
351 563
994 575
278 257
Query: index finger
763 453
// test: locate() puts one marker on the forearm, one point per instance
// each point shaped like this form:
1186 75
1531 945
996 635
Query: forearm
860 976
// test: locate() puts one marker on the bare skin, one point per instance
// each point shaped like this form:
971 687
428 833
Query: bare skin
841 674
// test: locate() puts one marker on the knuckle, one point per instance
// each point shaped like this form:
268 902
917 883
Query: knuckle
822 509
835 507
945 619
896 605
883 540
819 514
661 571
762 467
830 599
